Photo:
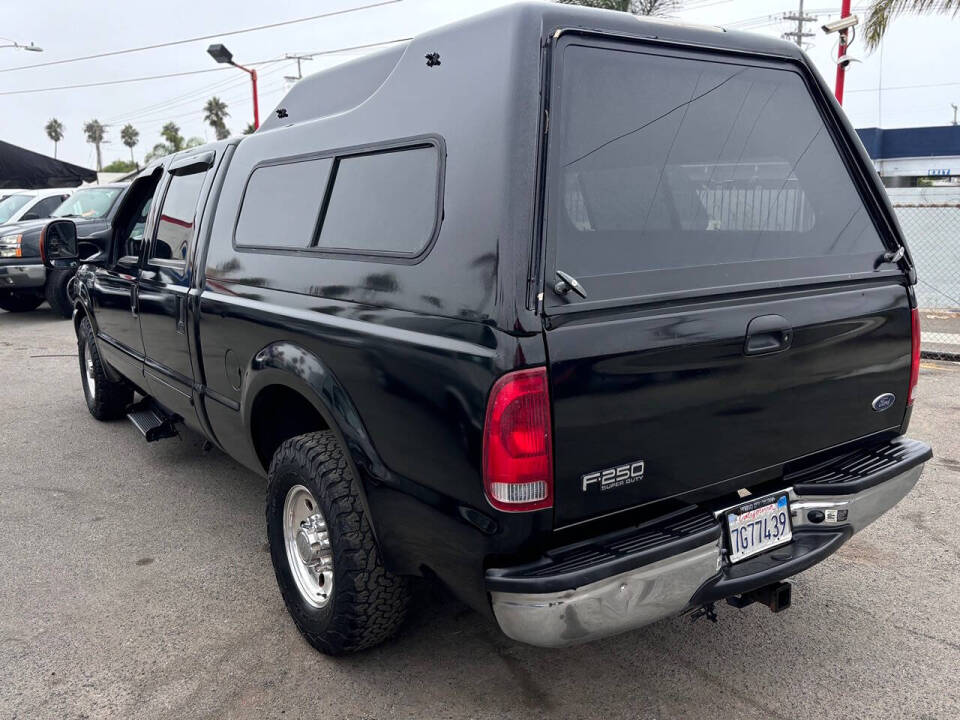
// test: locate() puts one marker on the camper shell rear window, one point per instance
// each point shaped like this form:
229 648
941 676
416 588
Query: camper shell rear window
674 173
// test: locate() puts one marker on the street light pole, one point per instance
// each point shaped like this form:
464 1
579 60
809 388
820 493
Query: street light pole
841 66
222 55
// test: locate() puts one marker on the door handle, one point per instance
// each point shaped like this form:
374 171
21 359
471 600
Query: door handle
182 313
767 334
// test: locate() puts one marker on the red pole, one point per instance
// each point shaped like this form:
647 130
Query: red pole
256 104
841 71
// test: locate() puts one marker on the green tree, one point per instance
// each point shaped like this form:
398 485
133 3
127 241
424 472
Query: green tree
215 115
882 12
54 130
171 133
637 7
174 143
249 129
130 136
123 166
96 134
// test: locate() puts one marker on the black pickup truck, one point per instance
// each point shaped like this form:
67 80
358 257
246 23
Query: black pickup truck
592 319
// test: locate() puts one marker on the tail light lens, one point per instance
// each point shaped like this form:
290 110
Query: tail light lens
915 354
517 460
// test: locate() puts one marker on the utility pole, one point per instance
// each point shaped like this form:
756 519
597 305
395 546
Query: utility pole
798 35
954 106
299 59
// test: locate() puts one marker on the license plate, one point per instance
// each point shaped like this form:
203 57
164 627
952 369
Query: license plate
758 525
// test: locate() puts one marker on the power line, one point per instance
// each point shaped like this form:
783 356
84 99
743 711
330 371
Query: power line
228 33
124 80
191 72
885 88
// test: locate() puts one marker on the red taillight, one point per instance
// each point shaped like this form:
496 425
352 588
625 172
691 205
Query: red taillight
517 462
915 354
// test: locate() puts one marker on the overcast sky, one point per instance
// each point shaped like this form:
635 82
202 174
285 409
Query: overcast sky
917 51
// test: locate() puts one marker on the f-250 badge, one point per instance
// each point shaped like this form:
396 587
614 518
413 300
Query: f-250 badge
614 477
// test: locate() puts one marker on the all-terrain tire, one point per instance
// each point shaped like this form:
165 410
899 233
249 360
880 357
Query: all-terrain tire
367 604
106 398
56 292
20 302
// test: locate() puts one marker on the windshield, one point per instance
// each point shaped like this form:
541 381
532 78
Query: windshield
11 204
88 203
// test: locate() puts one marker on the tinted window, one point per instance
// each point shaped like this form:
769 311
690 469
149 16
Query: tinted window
177 217
670 164
46 206
382 202
281 204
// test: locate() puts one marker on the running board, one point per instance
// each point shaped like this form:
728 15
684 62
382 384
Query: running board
151 421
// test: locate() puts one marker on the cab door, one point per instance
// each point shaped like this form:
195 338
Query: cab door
114 290
164 288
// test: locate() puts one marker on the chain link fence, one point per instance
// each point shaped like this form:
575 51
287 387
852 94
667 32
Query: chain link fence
930 218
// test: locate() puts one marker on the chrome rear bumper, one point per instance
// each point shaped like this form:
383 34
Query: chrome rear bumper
672 585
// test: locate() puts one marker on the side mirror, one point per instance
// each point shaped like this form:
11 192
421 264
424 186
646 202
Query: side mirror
58 244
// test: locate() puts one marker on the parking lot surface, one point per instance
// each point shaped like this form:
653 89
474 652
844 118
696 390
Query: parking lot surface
136 582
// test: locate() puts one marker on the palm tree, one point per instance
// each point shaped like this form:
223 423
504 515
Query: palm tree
215 115
130 136
171 133
637 7
249 129
54 130
96 134
882 12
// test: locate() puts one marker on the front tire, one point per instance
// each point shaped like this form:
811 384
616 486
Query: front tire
20 302
106 399
57 292
327 564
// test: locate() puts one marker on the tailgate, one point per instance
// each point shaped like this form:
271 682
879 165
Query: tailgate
675 392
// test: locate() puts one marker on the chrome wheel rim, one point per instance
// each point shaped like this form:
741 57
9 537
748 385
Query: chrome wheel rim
89 375
307 545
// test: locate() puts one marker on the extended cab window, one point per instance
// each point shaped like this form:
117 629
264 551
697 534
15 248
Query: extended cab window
676 174
177 218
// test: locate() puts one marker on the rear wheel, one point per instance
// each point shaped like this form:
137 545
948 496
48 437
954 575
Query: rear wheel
326 561
57 292
106 398
20 302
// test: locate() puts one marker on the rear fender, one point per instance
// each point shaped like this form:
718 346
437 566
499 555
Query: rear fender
294 367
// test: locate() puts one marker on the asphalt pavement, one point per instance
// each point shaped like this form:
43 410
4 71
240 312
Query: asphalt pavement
135 582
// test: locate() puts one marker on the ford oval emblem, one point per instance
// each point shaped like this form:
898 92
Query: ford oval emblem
883 402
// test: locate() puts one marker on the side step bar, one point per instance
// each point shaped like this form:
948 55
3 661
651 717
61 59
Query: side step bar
152 422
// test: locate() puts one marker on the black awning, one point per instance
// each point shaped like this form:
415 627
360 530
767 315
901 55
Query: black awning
26 169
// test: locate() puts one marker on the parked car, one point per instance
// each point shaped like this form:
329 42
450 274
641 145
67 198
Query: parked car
31 204
24 282
594 320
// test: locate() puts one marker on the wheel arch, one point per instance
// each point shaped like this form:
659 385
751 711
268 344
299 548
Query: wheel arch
284 375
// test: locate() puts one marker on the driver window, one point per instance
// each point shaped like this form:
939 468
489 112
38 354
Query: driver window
133 241
130 224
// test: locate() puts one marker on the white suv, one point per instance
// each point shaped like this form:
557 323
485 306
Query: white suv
32 204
